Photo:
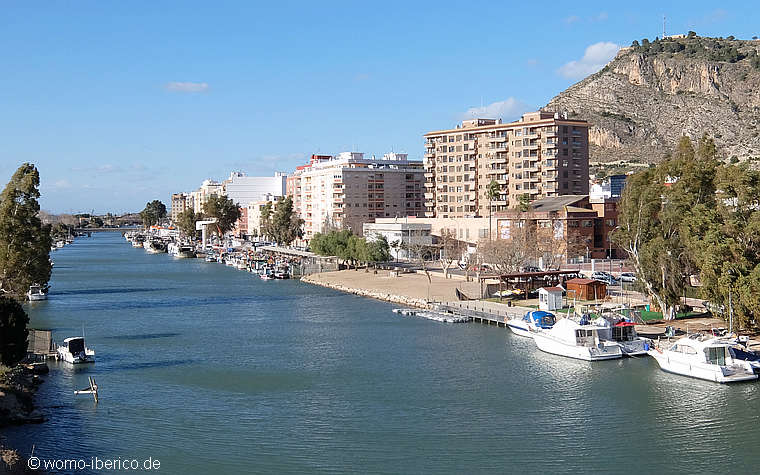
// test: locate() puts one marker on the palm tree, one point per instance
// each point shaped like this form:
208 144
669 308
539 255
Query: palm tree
491 193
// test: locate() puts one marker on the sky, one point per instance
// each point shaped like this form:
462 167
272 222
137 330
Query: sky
120 103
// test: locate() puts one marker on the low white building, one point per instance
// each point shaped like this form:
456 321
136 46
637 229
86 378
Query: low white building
399 235
549 298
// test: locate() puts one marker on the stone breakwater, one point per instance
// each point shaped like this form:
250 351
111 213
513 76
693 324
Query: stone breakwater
398 299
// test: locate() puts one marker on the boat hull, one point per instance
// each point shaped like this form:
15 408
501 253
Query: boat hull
704 371
66 356
519 327
548 344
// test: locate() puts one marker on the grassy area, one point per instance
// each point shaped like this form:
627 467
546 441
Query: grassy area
649 316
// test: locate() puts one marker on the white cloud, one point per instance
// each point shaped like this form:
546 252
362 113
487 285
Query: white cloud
594 59
187 86
572 19
602 16
508 109
62 184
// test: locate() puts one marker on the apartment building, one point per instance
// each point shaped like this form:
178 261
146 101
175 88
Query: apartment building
244 189
543 154
347 190
179 203
202 194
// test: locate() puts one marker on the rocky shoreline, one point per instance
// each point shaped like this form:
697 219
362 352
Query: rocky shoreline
17 388
399 299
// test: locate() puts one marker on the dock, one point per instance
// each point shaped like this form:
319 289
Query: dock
486 313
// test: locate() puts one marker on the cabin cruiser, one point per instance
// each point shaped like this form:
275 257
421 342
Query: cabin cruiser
182 251
74 351
138 241
624 334
531 322
704 357
154 246
36 292
574 340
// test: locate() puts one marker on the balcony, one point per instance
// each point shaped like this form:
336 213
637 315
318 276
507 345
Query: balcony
429 174
429 184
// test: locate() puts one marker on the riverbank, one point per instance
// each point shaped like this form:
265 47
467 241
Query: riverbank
411 289
17 388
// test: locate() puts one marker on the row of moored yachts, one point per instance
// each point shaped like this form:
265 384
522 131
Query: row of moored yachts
703 356
264 267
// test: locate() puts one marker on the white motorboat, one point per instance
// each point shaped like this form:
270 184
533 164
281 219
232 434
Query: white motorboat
624 334
154 247
36 292
570 338
74 351
704 357
531 322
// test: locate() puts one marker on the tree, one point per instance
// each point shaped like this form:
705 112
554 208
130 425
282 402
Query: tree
153 213
265 222
286 226
224 210
186 222
656 220
492 193
13 332
524 202
450 250
24 241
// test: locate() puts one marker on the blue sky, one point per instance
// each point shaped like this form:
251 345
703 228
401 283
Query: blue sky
120 103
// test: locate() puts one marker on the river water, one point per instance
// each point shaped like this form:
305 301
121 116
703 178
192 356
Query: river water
205 368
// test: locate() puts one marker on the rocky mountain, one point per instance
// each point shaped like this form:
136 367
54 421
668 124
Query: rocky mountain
654 92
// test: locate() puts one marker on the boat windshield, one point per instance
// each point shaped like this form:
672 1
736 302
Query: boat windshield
622 333
76 346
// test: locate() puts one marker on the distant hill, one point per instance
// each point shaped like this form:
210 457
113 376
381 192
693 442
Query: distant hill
654 92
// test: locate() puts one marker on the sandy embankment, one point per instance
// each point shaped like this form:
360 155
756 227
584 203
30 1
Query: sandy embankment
406 289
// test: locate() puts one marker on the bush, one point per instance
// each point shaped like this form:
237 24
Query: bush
13 332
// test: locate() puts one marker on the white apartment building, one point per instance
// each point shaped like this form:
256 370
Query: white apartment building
243 189
348 190
202 194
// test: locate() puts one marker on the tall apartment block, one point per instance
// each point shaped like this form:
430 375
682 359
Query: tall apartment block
180 202
543 154
348 190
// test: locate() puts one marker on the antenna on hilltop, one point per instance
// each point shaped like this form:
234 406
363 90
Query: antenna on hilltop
663 26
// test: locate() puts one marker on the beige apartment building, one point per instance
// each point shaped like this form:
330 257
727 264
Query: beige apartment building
348 190
180 202
543 154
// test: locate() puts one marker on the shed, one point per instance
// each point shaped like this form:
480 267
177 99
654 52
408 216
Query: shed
587 289
549 298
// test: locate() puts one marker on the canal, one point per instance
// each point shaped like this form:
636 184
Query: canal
206 368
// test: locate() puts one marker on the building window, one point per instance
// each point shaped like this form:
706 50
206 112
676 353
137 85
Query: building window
587 223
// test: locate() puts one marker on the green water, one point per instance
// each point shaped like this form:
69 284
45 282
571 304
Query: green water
209 369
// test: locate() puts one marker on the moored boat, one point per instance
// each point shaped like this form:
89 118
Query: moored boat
36 292
75 351
532 322
624 334
573 340
703 357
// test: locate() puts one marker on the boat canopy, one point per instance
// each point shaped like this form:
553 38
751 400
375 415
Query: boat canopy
541 318
75 345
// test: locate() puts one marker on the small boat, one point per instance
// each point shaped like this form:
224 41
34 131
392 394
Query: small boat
210 257
624 334
532 322
74 351
36 292
265 277
703 357
60 244
154 246
570 338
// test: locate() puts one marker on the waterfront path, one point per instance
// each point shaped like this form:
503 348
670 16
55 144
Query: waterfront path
412 287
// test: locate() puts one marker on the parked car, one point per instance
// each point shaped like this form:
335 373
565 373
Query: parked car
531 269
605 277
628 277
